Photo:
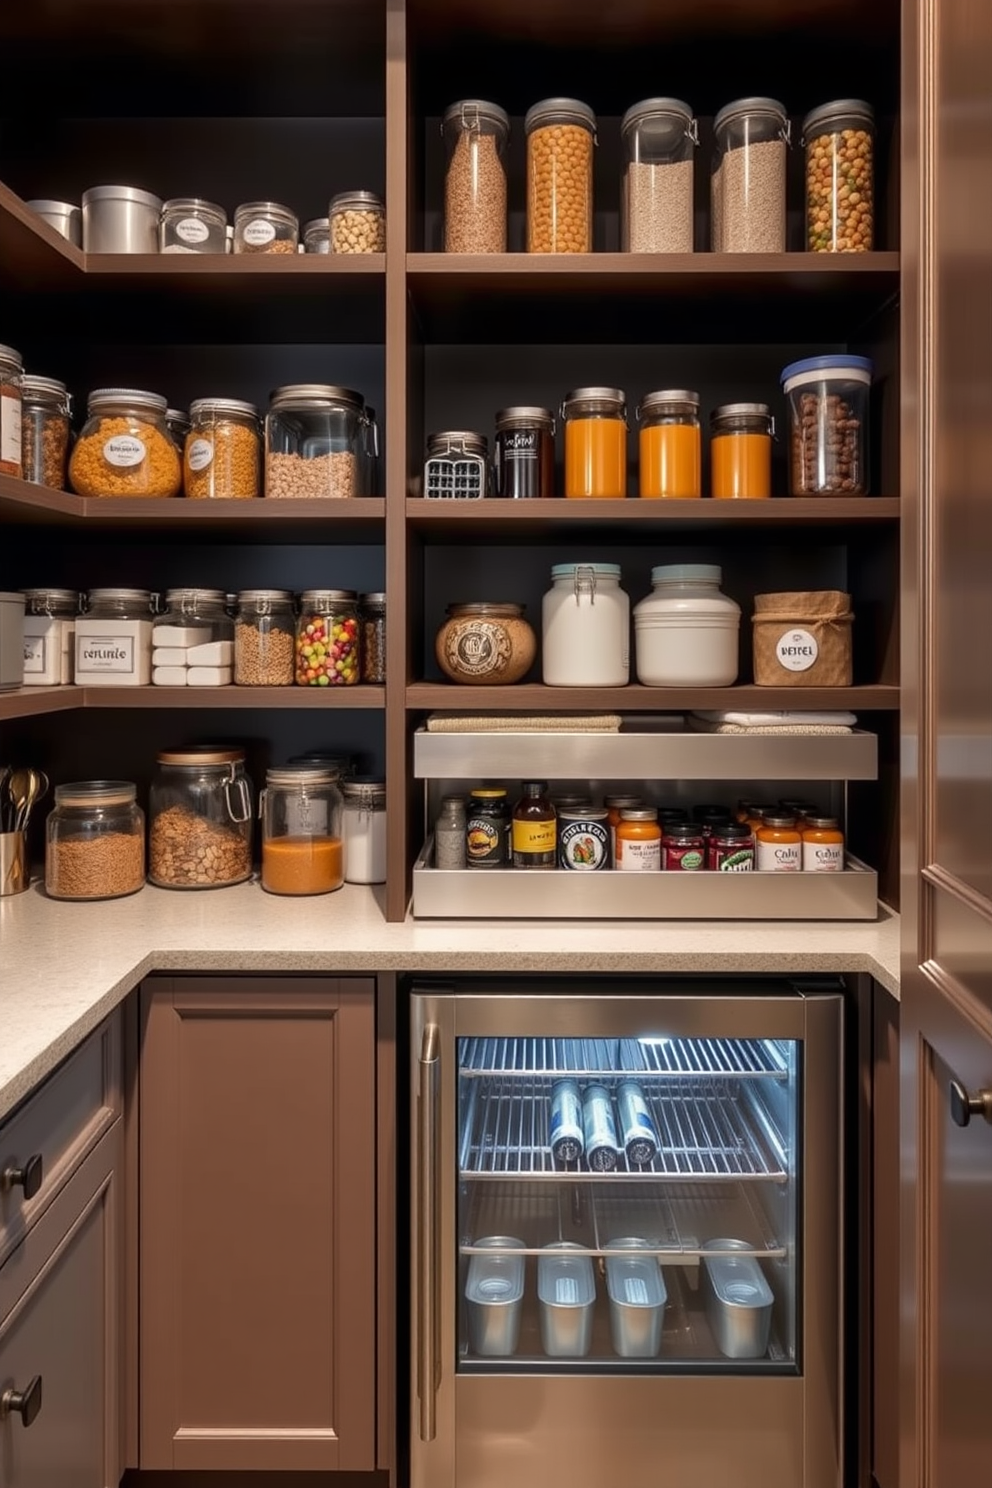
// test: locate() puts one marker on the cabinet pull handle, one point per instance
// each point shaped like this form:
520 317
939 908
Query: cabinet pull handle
427 1320
24 1403
29 1177
964 1106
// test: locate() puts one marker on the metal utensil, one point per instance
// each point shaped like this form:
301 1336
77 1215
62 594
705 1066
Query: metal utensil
6 806
27 786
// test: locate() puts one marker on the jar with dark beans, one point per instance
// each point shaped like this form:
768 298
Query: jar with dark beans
828 398
372 636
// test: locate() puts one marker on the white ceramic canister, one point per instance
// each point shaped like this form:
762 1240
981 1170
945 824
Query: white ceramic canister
11 640
49 636
586 627
114 639
363 829
685 631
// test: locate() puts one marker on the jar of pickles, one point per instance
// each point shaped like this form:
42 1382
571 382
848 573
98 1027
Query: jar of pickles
741 451
200 810
561 134
95 841
316 443
11 371
302 850
125 448
223 453
327 643
45 412
595 420
265 227
670 445
839 140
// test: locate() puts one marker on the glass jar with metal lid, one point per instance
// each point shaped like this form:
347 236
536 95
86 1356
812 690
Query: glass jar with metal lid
561 134
487 828
222 459
11 372
191 225
49 636
200 815
46 409
595 420
586 624
839 140
475 135
95 841
363 829
659 137
125 448
302 851
315 442
265 227
747 187
114 638
193 640
524 455
741 437
327 638
177 423
372 632
317 235
358 222
670 445
457 465
264 638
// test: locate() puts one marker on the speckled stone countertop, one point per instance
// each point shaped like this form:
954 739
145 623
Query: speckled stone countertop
64 967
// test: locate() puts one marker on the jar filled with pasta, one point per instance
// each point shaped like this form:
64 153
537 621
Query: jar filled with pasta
125 448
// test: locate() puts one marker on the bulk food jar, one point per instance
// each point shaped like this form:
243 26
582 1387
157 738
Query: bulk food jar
302 851
586 627
839 140
659 137
191 225
358 223
45 412
95 841
828 414
686 630
223 452
364 829
561 133
200 811
114 638
125 448
741 451
747 186
11 371
265 227
670 445
120 219
316 443
475 135
264 638
49 636
327 638
595 420
193 641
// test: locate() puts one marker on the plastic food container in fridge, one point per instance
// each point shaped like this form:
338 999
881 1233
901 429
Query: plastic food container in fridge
739 1300
828 410
494 1292
637 1293
566 1290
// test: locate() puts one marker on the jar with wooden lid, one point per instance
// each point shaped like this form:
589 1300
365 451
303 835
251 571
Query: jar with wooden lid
223 451
638 840
46 409
561 135
483 644
777 844
125 448
595 420
11 372
741 451
302 849
475 135
95 841
670 445
200 812
823 845
265 227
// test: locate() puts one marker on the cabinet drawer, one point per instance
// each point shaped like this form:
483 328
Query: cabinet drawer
60 1125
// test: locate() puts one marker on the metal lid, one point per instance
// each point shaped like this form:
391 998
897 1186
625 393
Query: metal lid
471 442
135 397
314 598
855 368
729 410
14 597
31 384
193 204
742 106
595 395
96 793
619 801
356 200
374 597
488 793
598 570
486 607
680 827
201 754
121 193
471 113
366 790
141 596
249 596
314 395
521 417
264 209
210 596
731 829
687 573
842 108
583 813
43 207
821 821
323 774
777 819
664 397
11 355
559 111
317 224
639 813
53 596
670 116
200 406
176 416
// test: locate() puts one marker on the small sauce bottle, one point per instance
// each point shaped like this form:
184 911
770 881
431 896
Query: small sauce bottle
823 845
486 829
639 840
449 834
683 849
534 829
778 846
614 805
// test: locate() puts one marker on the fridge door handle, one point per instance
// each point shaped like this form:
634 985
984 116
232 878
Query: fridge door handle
427 1321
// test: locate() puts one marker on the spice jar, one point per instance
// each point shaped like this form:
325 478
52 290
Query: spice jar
561 133
670 453
11 371
95 841
364 829
223 450
265 227
683 848
315 442
193 640
475 135
45 412
449 833
747 187
200 812
828 406
372 632
586 624
487 829
686 630
302 849
358 223
114 638
730 848
485 644
264 638
327 638
638 840
125 448
741 451
839 140
457 465
191 225
823 845
49 636
317 235
584 843
524 454
659 136
777 845
595 420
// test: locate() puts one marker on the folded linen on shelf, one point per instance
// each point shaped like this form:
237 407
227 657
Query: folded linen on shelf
521 723
777 717
791 721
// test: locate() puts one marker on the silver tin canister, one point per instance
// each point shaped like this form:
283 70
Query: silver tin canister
63 216
120 219
566 1136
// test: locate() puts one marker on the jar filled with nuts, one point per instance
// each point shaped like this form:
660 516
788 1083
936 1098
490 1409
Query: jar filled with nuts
200 810
839 139
358 223
747 187
828 404
45 412
95 841
125 448
327 638
316 443
223 454
265 227
264 638
475 135
11 371
561 133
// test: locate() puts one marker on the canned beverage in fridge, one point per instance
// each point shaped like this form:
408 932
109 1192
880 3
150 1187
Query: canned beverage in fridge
566 1133
599 1129
637 1129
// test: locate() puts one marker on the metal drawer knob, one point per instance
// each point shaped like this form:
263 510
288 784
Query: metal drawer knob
25 1403
964 1106
29 1177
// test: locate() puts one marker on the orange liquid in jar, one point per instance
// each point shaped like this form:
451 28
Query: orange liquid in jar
302 865
741 467
670 461
596 458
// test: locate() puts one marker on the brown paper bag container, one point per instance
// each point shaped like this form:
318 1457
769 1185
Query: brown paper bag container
802 639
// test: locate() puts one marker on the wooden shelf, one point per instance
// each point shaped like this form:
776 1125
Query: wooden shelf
558 518
34 702
534 697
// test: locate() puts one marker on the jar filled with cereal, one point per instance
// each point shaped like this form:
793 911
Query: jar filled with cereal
125 448
475 135
95 841
223 453
45 413
200 812
265 227
316 443
327 638
358 223
264 638
561 133
839 140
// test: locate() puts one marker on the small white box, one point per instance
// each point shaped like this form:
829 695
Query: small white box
170 676
180 635
170 656
214 654
209 676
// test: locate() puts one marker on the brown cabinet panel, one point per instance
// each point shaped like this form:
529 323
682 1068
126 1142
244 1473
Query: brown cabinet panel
257 1223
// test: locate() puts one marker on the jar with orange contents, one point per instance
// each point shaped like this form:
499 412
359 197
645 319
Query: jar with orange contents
778 845
614 806
595 420
823 845
301 809
741 452
638 841
670 453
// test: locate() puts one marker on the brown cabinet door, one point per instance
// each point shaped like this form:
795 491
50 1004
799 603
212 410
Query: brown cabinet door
257 1223
60 1335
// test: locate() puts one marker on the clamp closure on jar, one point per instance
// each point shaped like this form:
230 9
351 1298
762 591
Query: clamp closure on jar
235 784
584 582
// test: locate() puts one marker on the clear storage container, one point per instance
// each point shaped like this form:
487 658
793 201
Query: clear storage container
125 448
670 445
114 638
302 850
741 451
95 841
120 219
475 135
364 829
686 630
524 455
222 457
315 443
747 187
191 225
193 640
177 423
46 409
265 227
561 134
200 812
358 223
317 235
595 420
264 638
659 138
64 217
372 631
327 643
839 140
586 625
828 411
11 372
457 465
49 636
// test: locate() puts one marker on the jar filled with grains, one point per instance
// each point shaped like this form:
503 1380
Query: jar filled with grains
839 139
45 413
372 629
747 187
223 453
327 638
191 225
95 841
264 638
125 448
200 812
670 445
316 443
659 136
475 135
358 223
741 451
265 227
317 235
11 371
561 133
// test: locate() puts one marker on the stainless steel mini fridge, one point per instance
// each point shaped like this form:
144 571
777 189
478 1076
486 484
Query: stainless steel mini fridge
626 1234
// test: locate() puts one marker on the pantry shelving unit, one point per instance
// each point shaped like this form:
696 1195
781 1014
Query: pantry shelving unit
318 97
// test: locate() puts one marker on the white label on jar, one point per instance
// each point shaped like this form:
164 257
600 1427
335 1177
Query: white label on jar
823 857
258 232
640 857
192 230
199 454
778 857
104 653
35 660
797 650
124 450
10 430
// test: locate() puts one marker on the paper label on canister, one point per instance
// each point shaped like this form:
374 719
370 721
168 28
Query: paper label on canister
104 653
584 846
797 650
199 454
258 232
639 857
823 857
124 450
192 230
778 857
10 430
35 661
